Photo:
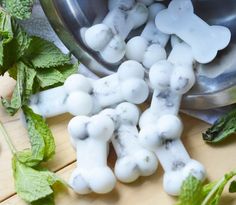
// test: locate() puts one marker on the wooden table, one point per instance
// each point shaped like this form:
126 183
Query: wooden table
146 191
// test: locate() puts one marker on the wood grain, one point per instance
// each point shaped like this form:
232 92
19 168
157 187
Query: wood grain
146 191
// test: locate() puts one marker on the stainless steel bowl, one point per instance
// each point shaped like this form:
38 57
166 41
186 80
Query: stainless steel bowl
67 17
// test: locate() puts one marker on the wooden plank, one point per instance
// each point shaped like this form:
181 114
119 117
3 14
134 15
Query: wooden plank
146 191
64 152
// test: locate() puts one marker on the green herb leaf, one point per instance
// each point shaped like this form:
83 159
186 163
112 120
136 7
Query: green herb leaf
49 77
20 9
16 101
6 32
222 128
49 200
68 70
22 39
191 192
41 138
52 178
232 187
6 36
214 195
44 54
195 193
30 184
26 157
23 89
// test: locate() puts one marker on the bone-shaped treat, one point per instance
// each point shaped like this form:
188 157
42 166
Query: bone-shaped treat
148 48
90 137
174 40
133 159
163 138
146 2
170 79
127 4
160 127
84 96
108 37
205 40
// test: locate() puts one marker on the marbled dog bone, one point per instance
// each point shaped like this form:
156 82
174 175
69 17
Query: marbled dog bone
170 79
133 159
83 96
205 40
148 48
124 4
174 40
60 100
50 102
91 137
127 4
163 137
146 2
160 127
108 37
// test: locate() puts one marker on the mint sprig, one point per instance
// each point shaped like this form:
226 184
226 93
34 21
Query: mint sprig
20 9
223 128
195 192
33 183
36 64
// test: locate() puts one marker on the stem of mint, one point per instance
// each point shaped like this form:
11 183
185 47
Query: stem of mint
212 192
217 186
7 139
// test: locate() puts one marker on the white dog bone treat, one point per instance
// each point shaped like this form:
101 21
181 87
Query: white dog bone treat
163 138
84 96
174 40
127 4
204 40
63 99
108 37
146 2
133 159
90 137
170 80
124 4
149 47
50 102
150 32
160 127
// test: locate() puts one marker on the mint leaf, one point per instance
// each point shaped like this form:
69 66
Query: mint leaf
214 196
26 157
50 77
222 128
195 193
191 192
41 138
52 178
6 32
22 39
30 75
23 89
232 187
20 9
49 200
6 36
68 70
30 184
16 45
44 54
16 101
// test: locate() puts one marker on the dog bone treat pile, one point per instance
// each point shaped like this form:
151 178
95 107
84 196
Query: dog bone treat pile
105 110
